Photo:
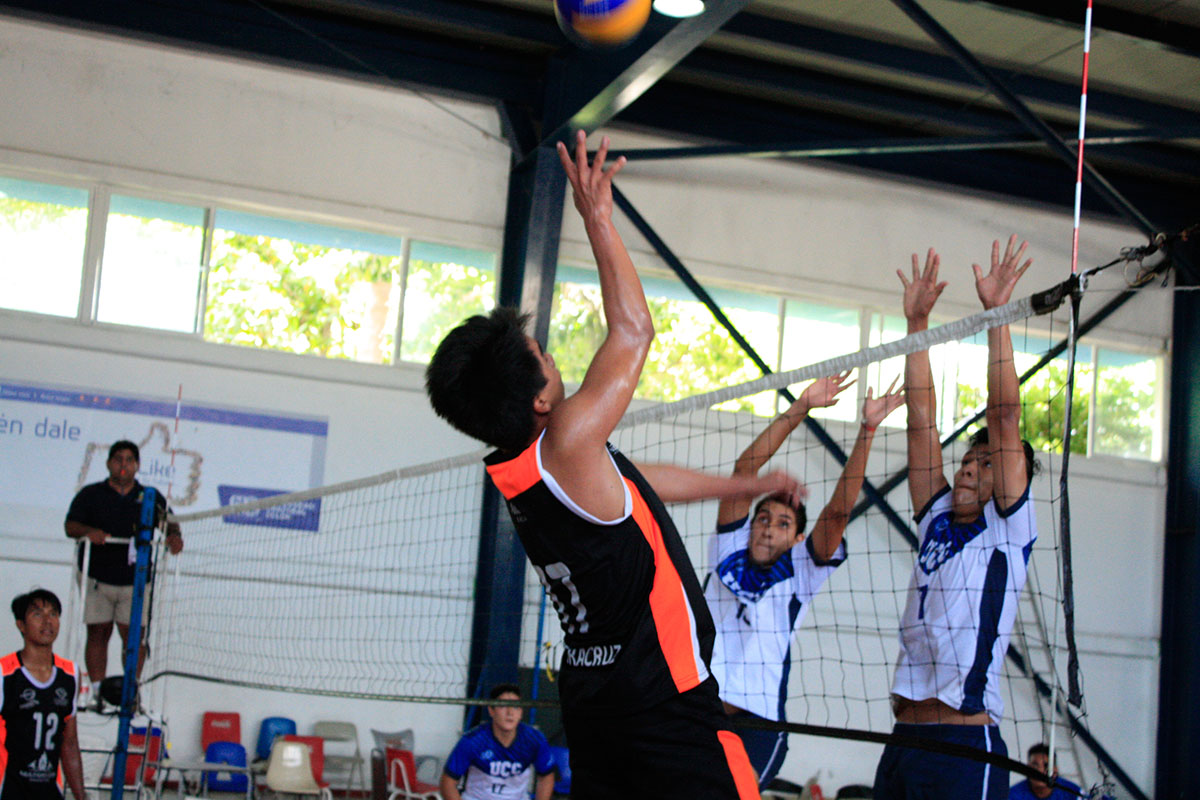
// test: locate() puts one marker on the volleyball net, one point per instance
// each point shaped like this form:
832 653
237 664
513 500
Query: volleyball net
366 588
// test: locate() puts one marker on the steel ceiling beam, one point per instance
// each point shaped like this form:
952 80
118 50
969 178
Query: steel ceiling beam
1166 34
306 39
929 144
905 60
1091 178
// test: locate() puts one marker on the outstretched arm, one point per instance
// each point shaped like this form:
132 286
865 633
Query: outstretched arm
674 484
831 524
821 393
925 472
1004 396
573 448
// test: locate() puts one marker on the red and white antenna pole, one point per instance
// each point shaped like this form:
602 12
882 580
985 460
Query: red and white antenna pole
1087 46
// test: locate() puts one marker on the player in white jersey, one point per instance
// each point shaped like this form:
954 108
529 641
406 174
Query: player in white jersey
976 537
761 583
497 760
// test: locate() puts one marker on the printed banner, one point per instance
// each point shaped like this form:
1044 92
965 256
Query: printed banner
54 440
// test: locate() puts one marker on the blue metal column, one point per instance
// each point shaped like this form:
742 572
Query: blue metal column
1178 768
133 644
532 225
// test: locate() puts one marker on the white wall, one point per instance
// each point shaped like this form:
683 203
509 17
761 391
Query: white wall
140 117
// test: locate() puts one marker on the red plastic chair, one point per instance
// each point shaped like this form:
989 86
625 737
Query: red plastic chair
402 777
316 749
220 726
137 750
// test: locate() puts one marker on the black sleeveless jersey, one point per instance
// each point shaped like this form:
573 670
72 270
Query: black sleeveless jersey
637 629
31 723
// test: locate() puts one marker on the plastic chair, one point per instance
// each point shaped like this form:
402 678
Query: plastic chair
230 753
290 770
220 726
430 766
316 756
138 747
402 777
351 763
562 766
268 731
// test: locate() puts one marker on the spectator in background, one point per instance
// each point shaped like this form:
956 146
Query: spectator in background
1028 789
498 758
112 509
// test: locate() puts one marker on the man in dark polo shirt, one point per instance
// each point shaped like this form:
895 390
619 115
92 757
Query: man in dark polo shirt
112 509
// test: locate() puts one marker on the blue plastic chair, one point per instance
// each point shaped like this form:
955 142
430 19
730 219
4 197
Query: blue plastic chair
269 731
230 753
562 765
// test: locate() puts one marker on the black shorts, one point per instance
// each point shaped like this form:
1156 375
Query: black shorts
681 748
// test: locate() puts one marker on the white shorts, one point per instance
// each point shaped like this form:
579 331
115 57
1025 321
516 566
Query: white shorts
108 603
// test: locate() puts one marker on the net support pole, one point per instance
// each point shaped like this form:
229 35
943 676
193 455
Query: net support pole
133 643
1178 757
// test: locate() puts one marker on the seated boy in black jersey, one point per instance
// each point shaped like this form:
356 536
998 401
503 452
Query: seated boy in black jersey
640 708
37 704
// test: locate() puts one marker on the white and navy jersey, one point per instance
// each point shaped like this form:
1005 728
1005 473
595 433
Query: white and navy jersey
496 772
32 716
755 610
962 601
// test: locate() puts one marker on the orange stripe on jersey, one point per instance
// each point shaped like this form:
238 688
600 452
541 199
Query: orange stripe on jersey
744 778
9 664
517 475
669 604
3 752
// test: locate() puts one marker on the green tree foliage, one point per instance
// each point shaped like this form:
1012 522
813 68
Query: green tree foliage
691 353
438 296
284 295
24 216
1125 412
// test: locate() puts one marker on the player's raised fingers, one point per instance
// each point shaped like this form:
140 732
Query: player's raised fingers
601 157
568 165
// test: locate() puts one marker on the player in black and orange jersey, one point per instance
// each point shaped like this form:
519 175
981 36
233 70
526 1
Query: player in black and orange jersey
38 740
640 708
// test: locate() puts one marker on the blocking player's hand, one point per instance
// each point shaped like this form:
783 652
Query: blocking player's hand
97 536
995 288
823 392
922 292
877 409
591 184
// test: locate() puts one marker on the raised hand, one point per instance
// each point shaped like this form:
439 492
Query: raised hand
823 392
995 288
923 290
591 185
876 409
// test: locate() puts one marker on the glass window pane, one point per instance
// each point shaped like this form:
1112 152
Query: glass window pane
43 231
303 288
445 285
1127 404
150 274
813 332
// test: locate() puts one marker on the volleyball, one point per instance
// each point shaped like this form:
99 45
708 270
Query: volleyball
601 23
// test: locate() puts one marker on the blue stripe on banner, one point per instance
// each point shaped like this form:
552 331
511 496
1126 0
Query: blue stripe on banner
160 408
990 607
302 515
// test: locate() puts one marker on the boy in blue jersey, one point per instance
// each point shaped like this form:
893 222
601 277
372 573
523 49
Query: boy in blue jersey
1030 789
976 537
762 582
498 758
